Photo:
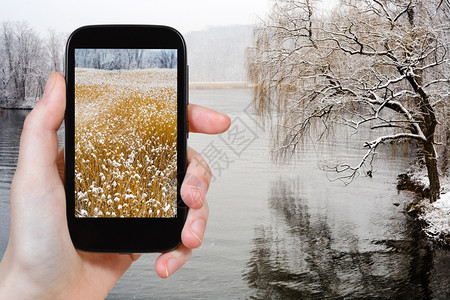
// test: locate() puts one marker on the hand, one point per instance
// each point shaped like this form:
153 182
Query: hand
40 260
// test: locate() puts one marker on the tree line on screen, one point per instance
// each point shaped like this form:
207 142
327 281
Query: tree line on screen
125 59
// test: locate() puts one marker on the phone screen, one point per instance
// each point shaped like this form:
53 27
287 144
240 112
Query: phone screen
125 133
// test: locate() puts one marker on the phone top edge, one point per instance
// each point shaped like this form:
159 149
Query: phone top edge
119 26
123 31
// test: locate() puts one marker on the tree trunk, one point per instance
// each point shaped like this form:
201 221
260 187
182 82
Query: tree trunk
20 89
428 127
432 169
445 168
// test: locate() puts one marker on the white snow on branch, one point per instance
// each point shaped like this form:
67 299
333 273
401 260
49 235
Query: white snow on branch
381 139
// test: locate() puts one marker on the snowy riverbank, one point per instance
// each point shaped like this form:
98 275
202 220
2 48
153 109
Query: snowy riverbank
28 103
435 217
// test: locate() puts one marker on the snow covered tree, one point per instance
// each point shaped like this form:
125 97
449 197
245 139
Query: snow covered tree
55 45
167 59
23 63
379 64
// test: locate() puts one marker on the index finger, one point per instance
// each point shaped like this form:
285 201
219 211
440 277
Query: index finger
205 120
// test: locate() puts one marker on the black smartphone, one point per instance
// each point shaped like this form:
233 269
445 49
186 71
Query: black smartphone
125 137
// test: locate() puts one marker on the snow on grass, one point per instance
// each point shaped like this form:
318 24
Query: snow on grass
419 176
437 217
125 143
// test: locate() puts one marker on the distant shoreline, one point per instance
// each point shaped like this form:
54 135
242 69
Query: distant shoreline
213 85
219 85
17 108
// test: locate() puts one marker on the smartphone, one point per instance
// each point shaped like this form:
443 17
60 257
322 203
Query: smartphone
125 137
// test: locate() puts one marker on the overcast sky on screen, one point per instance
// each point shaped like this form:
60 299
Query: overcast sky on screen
186 16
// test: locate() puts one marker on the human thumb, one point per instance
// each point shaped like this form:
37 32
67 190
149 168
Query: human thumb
39 142
37 192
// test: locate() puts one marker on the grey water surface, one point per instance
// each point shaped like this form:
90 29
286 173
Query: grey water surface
282 231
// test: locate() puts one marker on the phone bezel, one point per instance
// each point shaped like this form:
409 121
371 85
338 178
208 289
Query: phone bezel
125 235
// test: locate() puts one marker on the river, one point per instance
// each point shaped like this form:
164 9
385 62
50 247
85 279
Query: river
282 231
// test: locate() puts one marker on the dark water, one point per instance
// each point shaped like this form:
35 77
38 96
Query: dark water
11 122
282 232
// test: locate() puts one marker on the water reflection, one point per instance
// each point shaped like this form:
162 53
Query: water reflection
10 128
11 122
298 255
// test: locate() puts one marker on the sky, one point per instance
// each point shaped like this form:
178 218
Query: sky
185 16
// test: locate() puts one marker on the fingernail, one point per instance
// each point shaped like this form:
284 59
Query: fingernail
197 228
167 271
49 85
171 266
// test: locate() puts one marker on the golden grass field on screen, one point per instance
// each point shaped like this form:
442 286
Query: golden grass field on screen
125 143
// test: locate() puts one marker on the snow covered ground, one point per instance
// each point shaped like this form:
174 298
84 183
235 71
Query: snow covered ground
435 215
27 103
